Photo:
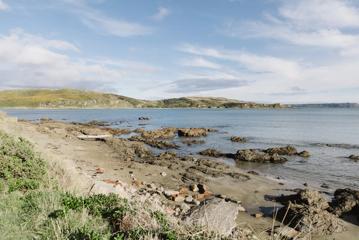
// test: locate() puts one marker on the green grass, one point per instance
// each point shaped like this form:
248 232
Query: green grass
33 207
71 98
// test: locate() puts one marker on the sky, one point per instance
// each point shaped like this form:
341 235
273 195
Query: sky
288 51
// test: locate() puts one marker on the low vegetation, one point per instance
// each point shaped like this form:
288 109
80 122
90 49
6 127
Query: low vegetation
70 98
32 206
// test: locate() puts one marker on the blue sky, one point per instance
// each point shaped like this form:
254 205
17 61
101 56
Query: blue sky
256 50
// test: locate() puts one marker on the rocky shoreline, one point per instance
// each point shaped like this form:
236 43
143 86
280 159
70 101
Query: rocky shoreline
191 188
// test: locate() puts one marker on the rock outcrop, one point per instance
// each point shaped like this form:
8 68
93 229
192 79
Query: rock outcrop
307 212
345 201
238 139
255 155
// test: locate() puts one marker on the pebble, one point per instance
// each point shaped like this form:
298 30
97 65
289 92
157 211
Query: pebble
170 193
194 188
202 188
188 199
241 208
178 198
163 174
258 215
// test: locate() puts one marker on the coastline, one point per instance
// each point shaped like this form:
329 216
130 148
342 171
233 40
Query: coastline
78 161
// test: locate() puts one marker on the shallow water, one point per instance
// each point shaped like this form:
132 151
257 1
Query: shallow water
308 129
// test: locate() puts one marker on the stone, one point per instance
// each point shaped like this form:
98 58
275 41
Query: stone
258 215
288 150
216 215
193 188
170 193
188 199
241 208
163 174
304 154
202 188
178 198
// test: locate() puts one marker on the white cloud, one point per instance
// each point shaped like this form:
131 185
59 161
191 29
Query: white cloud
32 61
162 13
200 62
316 23
321 13
253 62
3 6
269 78
105 24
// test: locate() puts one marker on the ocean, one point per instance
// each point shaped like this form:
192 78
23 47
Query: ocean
329 134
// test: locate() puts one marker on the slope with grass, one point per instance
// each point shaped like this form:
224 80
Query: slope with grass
33 206
70 98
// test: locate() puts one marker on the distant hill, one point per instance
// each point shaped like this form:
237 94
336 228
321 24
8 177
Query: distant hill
70 98
326 105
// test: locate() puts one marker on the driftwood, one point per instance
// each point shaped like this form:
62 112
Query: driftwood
93 137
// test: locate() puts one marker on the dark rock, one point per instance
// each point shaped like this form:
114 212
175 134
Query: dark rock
354 157
238 139
255 155
210 152
345 201
143 118
288 150
162 133
304 154
192 132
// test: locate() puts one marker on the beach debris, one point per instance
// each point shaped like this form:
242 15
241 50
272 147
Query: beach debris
285 232
238 139
307 211
215 214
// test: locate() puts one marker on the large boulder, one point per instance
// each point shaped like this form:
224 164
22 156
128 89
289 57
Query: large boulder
162 133
238 139
215 215
210 152
193 132
288 150
307 212
345 201
255 155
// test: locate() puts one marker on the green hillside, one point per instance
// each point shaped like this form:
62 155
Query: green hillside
70 98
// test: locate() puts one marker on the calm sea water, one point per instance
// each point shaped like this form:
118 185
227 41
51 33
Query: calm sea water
306 129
